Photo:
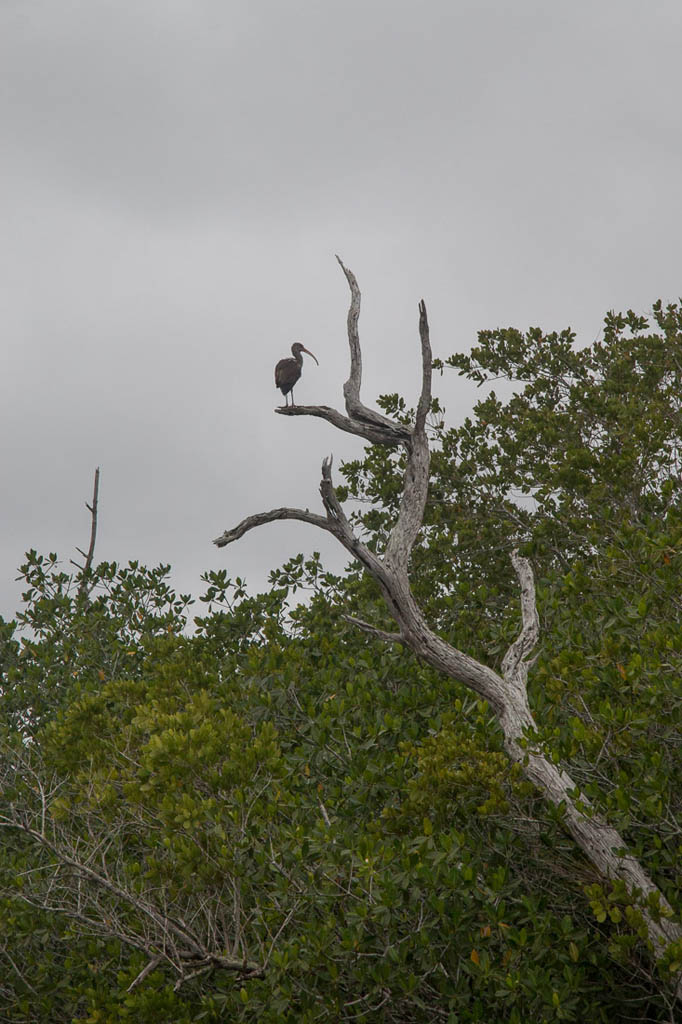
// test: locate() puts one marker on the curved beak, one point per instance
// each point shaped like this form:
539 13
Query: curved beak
309 353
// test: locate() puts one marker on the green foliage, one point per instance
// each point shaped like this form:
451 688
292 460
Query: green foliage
68 644
326 807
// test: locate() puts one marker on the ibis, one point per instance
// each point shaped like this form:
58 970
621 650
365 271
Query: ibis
288 370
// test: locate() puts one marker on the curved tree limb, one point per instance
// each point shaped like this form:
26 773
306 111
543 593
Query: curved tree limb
251 522
334 522
376 433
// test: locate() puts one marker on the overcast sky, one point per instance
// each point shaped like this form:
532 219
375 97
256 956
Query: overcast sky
177 176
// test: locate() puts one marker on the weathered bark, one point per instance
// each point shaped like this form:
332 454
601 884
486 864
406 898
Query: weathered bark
374 432
360 420
506 693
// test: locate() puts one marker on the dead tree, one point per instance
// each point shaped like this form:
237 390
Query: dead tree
505 692
83 589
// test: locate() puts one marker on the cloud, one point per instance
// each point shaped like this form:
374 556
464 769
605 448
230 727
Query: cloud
178 176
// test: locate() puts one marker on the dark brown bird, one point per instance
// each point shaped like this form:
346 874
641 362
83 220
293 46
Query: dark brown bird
288 371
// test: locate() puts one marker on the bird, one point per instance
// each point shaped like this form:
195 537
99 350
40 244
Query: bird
288 370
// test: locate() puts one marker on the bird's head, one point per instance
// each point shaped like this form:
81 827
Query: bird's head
297 348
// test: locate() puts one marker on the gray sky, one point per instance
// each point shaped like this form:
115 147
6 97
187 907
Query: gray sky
177 176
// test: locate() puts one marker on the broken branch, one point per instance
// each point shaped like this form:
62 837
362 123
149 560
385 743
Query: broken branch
83 589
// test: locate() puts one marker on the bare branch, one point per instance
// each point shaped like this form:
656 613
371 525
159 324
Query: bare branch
146 970
83 589
177 928
381 634
103 906
251 522
6 955
341 528
334 522
416 486
351 389
329 497
361 420
375 433
514 666
184 978
427 361
324 813
281 928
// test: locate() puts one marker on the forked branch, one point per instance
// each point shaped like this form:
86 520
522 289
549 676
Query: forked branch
360 420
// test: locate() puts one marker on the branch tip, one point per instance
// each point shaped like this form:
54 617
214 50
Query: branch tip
83 589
